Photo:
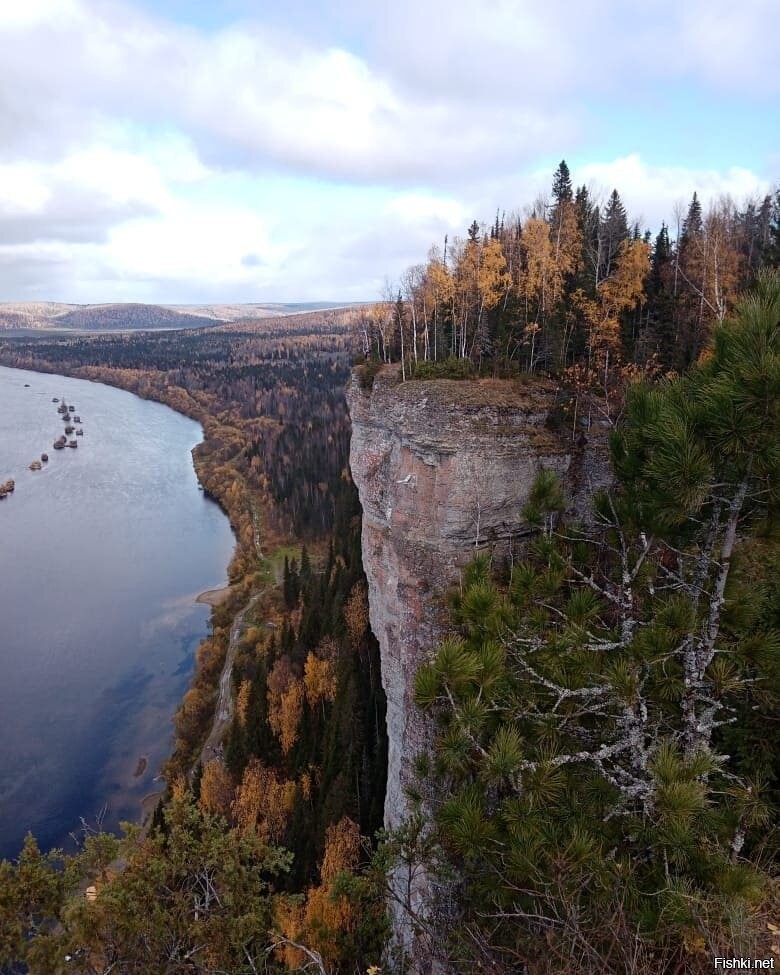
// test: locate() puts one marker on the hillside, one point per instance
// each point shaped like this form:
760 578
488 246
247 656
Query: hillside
48 315
107 317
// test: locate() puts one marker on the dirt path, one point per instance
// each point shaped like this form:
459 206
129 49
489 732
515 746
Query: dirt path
223 711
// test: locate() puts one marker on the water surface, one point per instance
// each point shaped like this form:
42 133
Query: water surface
102 553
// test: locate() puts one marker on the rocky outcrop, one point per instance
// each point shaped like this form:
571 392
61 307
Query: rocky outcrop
443 470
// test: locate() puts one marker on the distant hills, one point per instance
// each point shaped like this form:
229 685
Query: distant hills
98 318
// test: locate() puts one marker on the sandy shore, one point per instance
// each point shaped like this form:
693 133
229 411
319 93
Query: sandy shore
213 597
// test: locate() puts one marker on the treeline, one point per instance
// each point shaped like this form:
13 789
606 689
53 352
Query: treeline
575 283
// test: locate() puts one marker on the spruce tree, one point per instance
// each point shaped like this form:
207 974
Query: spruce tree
613 231
561 187
693 223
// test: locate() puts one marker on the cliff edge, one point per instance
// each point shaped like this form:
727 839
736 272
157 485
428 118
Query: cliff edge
443 469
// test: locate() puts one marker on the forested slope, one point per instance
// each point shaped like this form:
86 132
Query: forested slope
302 766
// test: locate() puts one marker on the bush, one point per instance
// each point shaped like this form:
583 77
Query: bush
367 372
450 368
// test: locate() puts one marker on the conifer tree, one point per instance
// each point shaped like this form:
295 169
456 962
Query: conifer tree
582 801
561 188
613 231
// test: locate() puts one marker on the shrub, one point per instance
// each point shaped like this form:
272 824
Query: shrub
450 368
367 372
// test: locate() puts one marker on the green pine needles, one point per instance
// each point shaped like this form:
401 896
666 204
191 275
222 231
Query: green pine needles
604 771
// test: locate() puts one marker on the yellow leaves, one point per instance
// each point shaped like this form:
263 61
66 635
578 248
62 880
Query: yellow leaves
694 943
567 239
285 703
356 613
342 849
538 257
286 717
440 281
492 278
325 917
319 680
179 788
216 789
242 701
263 802
625 287
623 290
289 919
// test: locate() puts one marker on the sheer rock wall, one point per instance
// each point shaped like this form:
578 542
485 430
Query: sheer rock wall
443 469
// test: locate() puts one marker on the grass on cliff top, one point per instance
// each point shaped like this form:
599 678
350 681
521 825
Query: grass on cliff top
523 391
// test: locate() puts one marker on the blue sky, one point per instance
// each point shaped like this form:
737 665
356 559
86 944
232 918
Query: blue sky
172 151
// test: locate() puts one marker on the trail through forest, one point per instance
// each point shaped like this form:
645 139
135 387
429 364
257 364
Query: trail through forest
223 710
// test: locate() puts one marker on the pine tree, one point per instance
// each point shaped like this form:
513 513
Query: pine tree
578 787
773 243
589 222
660 337
693 223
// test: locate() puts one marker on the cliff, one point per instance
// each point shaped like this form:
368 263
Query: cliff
443 469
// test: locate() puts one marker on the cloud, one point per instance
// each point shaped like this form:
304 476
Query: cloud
141 156
81 196
248 96
651 193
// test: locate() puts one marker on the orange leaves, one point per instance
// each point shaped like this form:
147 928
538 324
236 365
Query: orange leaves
538 249
242 701
356 613
216 789
625 287
439 280
319 680
325 916
263 802
623 290
492 277
342 849
285 718
285 703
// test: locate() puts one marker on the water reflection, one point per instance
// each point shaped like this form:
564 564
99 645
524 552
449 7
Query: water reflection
102 553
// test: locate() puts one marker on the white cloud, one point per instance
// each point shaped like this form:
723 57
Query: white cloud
127 138
651 193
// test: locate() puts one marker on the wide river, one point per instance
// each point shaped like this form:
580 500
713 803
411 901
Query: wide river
102 553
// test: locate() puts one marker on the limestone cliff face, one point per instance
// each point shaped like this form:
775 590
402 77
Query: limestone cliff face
443 469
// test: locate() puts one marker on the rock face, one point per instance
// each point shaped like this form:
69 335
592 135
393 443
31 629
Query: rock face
443 469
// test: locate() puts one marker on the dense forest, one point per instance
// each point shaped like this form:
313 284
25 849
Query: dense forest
575 287
601 788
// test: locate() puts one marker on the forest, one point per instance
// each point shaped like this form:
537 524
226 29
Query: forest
573 287
303 763
605 773
601 787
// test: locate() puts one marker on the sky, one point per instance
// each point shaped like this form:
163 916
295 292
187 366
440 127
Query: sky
193 151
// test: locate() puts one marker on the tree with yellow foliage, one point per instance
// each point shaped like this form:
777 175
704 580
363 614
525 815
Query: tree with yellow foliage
341 919
263 802
319 681
622 291
216 789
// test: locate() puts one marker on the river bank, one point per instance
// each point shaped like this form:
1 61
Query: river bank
248 571
100 623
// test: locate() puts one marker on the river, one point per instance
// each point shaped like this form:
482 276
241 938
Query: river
102 553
